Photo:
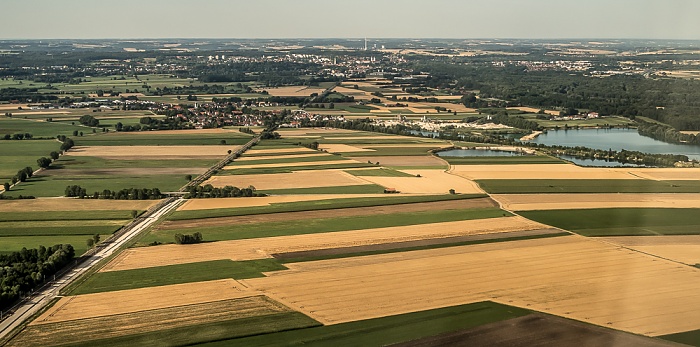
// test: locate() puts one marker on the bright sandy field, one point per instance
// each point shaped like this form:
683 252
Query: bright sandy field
68 204
299 163
569 276
206 204
538 171
283 156
264 152
400 160
681 248
299 179
136 258
152 152
530 202
340 148
142 299
430 182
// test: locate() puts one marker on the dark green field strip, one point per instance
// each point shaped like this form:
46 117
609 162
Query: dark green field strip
622 221
39 128
317 205
380 172
16 243
542 186
57 231
534 159
358 189
320 157
393 151
359 251
691 338
321 225
80 162
386 330
290 168
65 215
174 274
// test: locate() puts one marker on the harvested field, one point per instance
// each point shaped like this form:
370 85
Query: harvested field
113 326
152 152
338 148
257 152
315 132
248 157
411 145
411 160
681 248
248 249
668 174
299 179
143 299
569 276
302 91
530 202
125 171
539 171
537 330
534 110
341 212
430 182
207 204
68 204
300 163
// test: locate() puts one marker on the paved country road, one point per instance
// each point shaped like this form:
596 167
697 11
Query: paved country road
42 297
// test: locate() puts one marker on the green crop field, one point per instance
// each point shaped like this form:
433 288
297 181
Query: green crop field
51 186
16 243
18 154
65 215
381 172
81 162
175 274
691 338
387 330
40 128
327 204
530 186
526 159
321 225
621 221
57 228
155 139
359 189
310 159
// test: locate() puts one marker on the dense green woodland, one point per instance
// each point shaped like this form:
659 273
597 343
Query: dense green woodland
22 271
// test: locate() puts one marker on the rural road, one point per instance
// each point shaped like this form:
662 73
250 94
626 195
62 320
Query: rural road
42 297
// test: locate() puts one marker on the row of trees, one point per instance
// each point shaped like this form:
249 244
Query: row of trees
76 191
18 136
666 133
209 191
22 271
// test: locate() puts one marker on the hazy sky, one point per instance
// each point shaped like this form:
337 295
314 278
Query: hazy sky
672 19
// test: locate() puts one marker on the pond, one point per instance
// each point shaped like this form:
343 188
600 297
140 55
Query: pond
615 139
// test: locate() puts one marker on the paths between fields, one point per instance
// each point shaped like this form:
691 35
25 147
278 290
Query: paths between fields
44 295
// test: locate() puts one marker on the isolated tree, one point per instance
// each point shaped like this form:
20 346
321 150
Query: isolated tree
54 155
96 238
6 186
188 177
43 162
134 213
90 242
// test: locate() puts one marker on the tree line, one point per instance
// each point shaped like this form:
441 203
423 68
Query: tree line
22 271
76 191
209 191
665 133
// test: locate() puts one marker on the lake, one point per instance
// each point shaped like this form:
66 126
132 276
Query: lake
616 139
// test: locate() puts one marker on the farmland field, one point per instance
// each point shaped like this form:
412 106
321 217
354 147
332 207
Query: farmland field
535 186
621 221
